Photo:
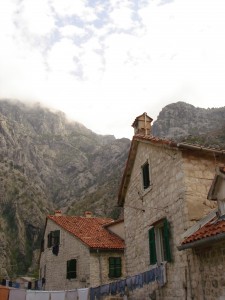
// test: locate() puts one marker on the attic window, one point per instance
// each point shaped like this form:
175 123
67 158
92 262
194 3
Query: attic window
53 238
145 175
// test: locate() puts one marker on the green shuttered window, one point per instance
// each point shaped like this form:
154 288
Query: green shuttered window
115 267
71 269
159 243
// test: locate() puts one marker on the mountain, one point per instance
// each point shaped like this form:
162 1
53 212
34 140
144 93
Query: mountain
184 122
48 163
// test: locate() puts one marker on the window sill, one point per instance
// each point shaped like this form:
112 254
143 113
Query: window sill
146 191
72 279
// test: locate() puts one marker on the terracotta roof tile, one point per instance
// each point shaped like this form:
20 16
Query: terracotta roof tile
90 231
212 228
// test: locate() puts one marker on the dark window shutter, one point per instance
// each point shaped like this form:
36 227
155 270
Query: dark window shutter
115 267
56 237
111 267
118 267
167 240
145 174
71 269
152 248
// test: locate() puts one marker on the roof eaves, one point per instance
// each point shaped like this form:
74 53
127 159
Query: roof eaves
202 242
127 171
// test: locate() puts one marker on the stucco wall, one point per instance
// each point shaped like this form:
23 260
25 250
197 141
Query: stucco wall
175 180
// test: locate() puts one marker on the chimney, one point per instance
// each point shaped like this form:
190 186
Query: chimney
88 214
142 124
58 213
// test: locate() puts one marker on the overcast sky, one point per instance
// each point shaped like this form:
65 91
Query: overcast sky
104 62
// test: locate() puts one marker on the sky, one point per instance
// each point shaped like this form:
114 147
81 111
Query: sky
104 62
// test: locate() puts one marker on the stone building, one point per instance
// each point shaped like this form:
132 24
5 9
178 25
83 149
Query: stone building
164 192
205 241
80 252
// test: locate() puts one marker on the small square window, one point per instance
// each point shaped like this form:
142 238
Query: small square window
71 269
145 175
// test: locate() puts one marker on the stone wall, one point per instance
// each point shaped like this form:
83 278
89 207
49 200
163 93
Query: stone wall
92 267
99 267
208 262
199 174
175 179
56 266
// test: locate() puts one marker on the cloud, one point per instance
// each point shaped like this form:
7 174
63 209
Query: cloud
105 62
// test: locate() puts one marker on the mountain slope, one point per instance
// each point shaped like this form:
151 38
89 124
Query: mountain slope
47 163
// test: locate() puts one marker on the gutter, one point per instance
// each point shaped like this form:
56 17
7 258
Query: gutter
193 147
202 242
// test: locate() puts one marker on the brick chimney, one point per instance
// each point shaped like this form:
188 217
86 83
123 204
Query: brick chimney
88 214
58 213
142 124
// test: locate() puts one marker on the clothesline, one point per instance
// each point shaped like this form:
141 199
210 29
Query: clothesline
118 287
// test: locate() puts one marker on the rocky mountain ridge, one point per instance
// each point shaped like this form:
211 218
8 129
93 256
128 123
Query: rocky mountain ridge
181 121
48 163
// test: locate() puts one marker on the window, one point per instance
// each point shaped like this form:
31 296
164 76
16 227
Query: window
159 244
145 175
53 238
115 269
71 269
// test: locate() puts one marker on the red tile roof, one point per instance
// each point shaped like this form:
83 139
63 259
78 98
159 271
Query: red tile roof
90 231
212 228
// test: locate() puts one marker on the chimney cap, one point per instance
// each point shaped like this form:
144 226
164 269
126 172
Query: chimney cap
58 213
142 124
88 214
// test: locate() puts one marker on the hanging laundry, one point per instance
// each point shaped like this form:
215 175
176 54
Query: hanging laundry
16 285
58 295
4 282
71 295
17 294
104 290
113 288
83 294
55 249
37 295
121 287
4 293
95 293
129 284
